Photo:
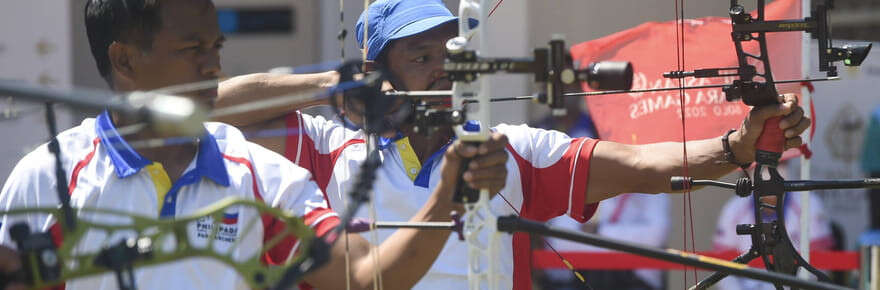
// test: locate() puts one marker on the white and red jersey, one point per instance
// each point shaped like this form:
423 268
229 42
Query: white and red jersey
739 210
547 174
104 172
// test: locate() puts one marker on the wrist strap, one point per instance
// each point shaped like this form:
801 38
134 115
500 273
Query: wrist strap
728 153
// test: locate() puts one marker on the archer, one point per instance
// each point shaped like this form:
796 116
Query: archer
549 173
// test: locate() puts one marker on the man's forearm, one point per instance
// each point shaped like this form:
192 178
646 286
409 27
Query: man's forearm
408 254
619 168
264 86
705 161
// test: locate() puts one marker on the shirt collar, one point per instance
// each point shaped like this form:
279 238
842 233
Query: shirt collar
127 162
385 143
424 175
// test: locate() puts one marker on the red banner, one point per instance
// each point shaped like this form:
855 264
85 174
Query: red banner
639 118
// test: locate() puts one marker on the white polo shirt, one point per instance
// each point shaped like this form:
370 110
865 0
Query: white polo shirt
105 172
547 177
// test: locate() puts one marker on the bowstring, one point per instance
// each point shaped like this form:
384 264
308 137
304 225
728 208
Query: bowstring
687 202
495 7
341 37
374 234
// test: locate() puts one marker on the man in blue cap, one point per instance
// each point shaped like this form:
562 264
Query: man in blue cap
548 173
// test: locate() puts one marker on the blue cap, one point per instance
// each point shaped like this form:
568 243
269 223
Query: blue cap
394 19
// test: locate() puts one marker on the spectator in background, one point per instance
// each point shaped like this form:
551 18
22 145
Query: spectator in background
630 217
739 210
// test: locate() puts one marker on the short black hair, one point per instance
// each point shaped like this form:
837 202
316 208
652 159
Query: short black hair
127 21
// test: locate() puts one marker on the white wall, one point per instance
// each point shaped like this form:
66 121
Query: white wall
35 48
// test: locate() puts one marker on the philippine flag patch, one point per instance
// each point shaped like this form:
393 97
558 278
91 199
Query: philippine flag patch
230 218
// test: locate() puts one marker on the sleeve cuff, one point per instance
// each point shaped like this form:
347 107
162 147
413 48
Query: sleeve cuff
322 221
577 208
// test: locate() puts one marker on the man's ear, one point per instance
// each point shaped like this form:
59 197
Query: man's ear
121 60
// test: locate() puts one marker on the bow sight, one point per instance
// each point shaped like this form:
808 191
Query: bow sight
551 66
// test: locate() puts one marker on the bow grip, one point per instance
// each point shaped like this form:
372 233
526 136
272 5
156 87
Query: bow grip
463 192
771 143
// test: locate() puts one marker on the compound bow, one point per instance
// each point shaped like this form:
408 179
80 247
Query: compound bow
755 86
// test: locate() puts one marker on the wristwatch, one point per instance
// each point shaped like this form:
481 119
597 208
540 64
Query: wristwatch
728 153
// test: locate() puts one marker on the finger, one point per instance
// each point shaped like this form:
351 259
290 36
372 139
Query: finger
793 142
792 119
464 149
482 180
759 115
494 172
451 161
493 159
496 142
788 98
797 130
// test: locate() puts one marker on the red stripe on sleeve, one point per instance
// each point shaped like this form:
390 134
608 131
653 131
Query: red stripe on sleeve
559 188
578 157
301 150
80 165
325 224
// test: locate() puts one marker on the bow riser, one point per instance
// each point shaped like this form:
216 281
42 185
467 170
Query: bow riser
480 232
